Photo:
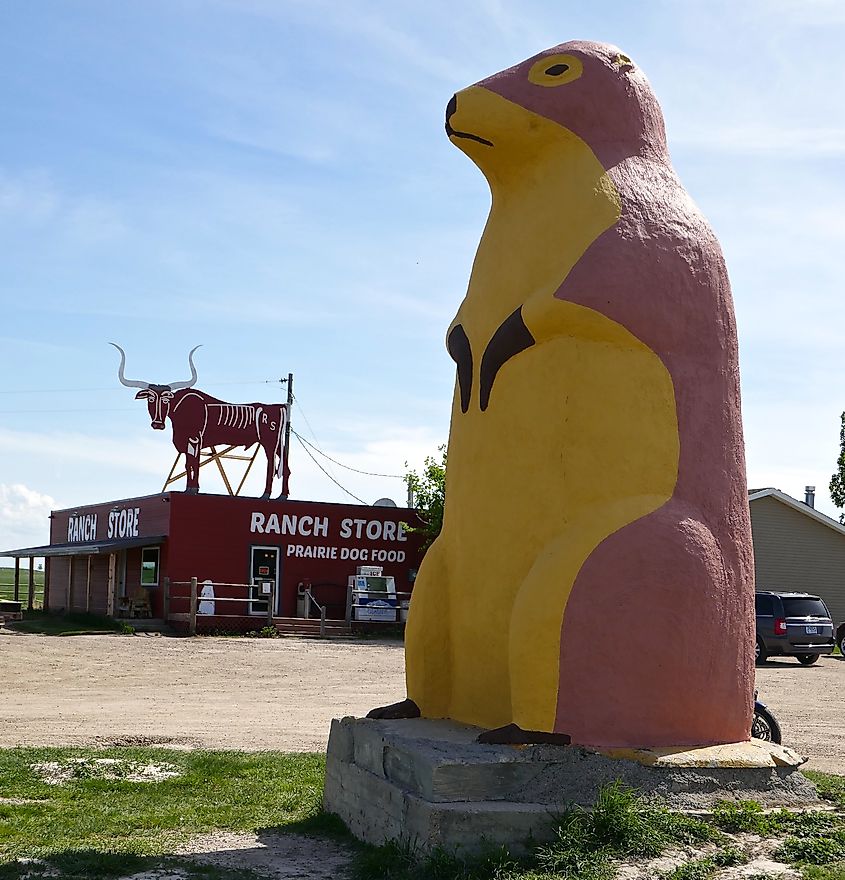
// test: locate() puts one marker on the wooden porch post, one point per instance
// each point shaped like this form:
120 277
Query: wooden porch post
192 625
112 585
69 588
88 587
165 600
30 598
47 583
17 579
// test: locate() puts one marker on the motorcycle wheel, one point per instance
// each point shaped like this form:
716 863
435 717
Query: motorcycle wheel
764 725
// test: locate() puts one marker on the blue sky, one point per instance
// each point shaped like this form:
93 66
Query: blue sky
272 180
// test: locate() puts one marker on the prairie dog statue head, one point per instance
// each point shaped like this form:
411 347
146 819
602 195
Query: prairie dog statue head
591 91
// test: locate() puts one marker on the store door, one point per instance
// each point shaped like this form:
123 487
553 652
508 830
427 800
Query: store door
264 579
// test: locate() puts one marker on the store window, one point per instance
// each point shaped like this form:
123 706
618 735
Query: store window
149 567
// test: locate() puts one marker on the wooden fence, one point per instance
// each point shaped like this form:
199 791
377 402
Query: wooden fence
187 594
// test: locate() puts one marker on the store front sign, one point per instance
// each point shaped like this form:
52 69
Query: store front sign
321 526
124 523
375 530
82 527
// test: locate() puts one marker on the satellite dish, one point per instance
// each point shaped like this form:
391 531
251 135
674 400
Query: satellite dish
384 502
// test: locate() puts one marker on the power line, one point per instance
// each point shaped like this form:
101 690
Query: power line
112 388
348 467
350 494
53 390
88 409
302 412
305 417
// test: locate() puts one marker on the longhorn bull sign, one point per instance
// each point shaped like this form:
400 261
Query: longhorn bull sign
201 421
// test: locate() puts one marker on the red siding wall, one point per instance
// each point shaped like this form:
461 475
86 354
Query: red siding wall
210 537
99 584
153 518
58 583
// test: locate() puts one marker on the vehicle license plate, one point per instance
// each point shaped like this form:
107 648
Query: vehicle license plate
812 630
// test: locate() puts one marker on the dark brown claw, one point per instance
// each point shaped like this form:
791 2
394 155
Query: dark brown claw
403 709
512 734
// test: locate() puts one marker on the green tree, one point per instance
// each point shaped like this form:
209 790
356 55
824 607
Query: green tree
427 490
837 481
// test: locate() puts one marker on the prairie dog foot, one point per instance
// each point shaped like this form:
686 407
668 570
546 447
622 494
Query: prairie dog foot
402 709
512 734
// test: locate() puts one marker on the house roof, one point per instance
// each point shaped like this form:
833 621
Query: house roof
795 504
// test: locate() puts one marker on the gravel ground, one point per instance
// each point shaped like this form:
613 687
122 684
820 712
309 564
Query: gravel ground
282 693
210 693
809 703
215 693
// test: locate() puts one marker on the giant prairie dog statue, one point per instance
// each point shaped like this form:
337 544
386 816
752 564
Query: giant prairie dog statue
594 573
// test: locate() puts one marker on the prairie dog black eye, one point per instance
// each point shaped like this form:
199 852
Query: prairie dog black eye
555 70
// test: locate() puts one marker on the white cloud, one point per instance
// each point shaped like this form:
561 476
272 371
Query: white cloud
33 199
763 139
358 24
24 513
373 448
813 13
28 198
144 456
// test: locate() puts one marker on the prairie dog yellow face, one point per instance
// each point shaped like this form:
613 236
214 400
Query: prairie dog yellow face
589 90
501 137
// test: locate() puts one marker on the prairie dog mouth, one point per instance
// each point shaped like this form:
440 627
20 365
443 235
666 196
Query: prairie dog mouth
451 109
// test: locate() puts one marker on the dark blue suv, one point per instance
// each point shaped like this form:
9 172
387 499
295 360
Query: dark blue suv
792 625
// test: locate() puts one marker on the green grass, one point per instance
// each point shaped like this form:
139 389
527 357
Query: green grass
619 826
115 825
7 581
823 872
7 577
91 865
99 828
830 787
707 867
67 624
624 827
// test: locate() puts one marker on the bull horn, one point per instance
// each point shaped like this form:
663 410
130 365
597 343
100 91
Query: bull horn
129 383
175 386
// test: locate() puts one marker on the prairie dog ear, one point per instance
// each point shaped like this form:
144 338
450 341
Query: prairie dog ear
143 394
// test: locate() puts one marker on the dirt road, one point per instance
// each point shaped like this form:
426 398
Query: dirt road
209 692
282 693
809 703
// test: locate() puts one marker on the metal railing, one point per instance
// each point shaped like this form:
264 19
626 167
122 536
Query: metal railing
321 609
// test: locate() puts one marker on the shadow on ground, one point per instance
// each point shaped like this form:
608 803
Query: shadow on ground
268 854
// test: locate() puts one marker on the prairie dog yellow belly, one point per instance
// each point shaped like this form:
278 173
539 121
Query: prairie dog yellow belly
578 477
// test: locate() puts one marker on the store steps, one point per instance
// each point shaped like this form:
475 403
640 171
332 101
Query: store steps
310 628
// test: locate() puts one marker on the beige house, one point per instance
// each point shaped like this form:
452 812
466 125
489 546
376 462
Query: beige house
798 548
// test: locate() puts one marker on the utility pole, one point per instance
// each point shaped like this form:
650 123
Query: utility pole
286 450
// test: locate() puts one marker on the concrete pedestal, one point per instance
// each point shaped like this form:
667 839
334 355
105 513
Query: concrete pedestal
428 784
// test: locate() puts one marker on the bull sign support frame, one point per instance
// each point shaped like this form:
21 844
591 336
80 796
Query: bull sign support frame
202 422
217 457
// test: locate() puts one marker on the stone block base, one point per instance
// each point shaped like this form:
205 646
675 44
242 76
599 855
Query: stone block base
428 784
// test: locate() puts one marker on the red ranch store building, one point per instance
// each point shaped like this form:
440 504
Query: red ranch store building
108 558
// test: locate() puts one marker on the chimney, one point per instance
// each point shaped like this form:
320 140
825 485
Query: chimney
810 496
